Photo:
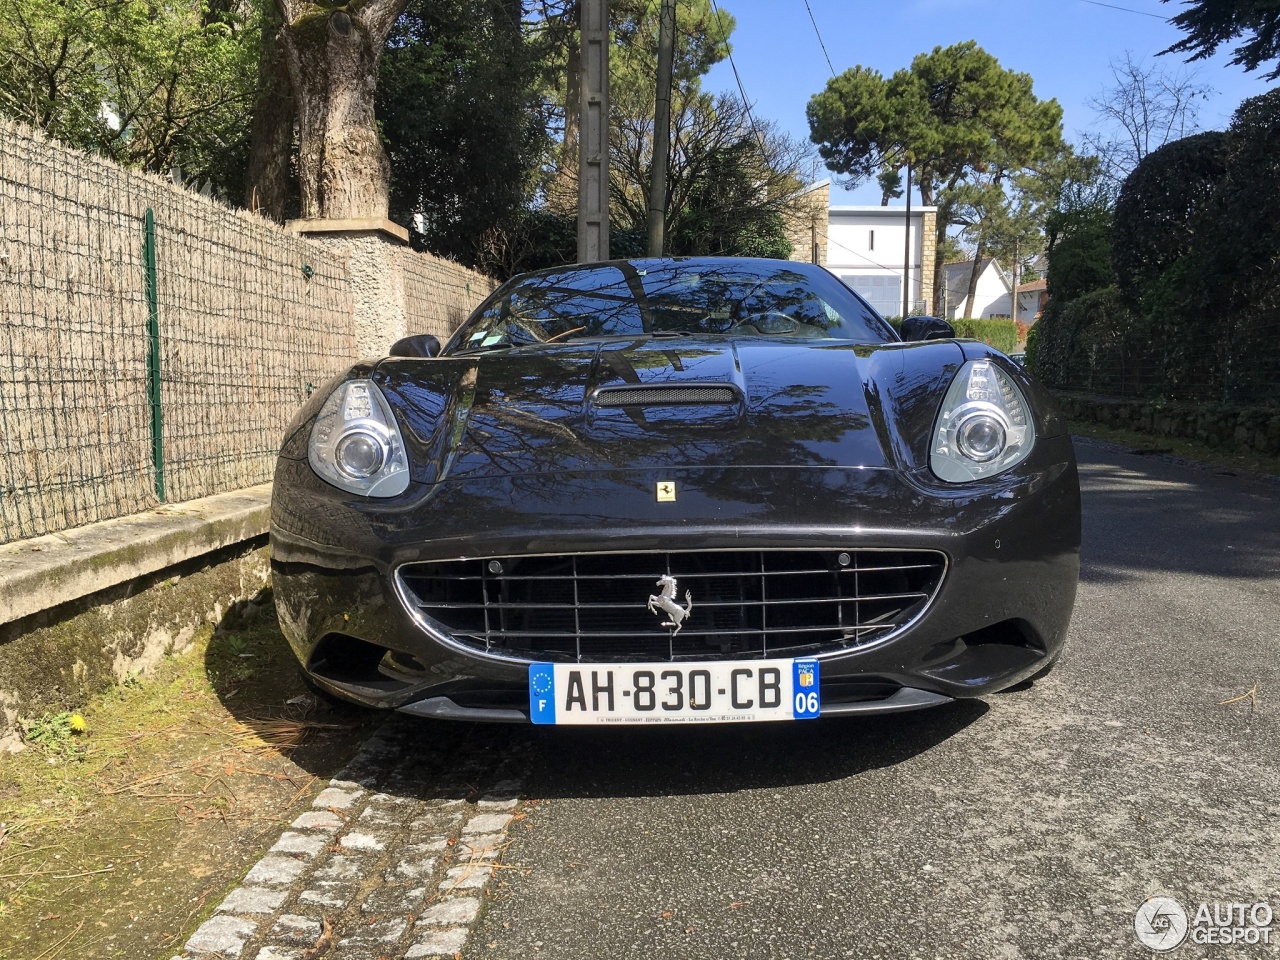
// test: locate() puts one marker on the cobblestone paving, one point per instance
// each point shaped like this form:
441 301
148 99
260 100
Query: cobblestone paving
391 863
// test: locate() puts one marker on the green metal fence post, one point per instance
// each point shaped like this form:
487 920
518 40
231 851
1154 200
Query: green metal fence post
153 351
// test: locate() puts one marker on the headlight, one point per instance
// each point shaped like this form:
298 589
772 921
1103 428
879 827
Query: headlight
984 426
355 444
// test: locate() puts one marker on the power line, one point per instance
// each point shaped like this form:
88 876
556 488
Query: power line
903 273
819 33
1112 6
875 263
745 102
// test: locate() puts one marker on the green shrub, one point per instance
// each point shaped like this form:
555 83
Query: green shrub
1155 212
54 733
1229 303
999 333
1093 343
1207 269
1079 252
1196 250
1033 346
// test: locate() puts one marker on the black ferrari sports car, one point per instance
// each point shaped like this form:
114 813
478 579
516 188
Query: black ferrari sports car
657 491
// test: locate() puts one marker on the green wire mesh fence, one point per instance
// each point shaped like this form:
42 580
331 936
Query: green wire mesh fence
245 320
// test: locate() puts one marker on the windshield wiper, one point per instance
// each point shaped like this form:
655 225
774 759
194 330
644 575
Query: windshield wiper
485 348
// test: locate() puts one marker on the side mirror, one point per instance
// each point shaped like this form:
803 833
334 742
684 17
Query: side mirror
927 328
422 345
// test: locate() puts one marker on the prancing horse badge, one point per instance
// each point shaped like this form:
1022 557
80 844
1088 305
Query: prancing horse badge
665 602
666 491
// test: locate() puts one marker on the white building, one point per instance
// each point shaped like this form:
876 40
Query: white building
1032 298
867 248
992 296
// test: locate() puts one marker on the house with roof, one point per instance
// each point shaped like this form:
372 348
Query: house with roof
877 251
993 295
1032 298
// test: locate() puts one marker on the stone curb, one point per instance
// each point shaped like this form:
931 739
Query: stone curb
380 867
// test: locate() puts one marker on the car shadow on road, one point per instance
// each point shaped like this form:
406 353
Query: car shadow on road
256 677
254 674
258 681
636 762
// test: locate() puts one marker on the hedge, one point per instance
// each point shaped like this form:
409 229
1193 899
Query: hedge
1154 218
996 332
999 333
1195 317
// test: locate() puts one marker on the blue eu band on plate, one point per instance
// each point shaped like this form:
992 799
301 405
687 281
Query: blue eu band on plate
712 692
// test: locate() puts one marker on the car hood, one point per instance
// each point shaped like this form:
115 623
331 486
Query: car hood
664 403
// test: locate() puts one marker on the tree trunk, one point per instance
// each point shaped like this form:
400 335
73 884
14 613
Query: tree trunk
973 280
271 138
562 192
332 60
939 245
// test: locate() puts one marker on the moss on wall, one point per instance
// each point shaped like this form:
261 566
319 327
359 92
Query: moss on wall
57 659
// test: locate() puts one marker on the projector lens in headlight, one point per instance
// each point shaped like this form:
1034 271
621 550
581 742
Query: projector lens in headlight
359 455
980 437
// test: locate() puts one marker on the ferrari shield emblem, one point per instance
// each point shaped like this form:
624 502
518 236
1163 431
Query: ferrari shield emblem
666 490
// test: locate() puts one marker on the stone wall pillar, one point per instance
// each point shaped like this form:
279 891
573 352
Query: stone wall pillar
928 260
806 224
374 249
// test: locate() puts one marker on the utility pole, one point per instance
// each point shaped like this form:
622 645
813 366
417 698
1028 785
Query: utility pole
593 132
661 129
1014 295
906 256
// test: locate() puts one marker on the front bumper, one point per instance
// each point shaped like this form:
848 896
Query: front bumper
1000 616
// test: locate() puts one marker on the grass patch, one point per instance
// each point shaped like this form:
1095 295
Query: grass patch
122 825
55 733
1179 447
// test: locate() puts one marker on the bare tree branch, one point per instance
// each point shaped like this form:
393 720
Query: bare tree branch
1144 108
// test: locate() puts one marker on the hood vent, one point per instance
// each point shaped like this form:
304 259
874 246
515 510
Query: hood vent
666 396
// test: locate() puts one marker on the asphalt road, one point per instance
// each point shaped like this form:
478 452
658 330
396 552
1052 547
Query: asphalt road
1029 825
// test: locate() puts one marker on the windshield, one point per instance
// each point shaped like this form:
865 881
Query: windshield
664 297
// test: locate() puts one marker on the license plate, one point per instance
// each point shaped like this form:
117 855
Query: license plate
716 692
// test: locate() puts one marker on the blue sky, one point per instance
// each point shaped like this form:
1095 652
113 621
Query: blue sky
1065 45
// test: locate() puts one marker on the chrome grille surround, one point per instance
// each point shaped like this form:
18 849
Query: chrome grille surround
592 607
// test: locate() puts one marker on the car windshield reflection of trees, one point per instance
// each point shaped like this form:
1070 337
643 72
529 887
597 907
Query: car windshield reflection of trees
561 307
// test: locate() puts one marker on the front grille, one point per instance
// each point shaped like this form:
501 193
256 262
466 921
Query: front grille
592 608
665 396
